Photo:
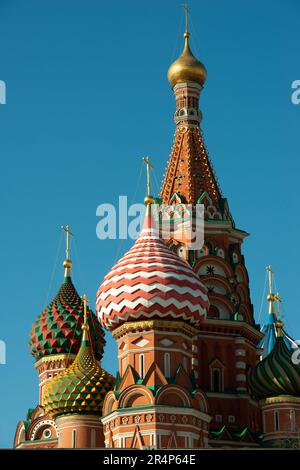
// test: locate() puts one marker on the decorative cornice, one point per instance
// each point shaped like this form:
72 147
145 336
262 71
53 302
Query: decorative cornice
54 357
237 327
280 399
153 324
156 409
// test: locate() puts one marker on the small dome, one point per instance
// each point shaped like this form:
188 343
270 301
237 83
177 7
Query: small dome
151 281
187 68
81 388
276 374
58 329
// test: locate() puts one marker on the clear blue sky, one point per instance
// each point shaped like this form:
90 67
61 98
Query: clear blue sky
87 96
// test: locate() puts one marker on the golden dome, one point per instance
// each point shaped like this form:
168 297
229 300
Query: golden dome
187 68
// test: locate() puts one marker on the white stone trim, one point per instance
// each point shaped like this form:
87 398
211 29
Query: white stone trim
240 352
240 365
158 408
240 377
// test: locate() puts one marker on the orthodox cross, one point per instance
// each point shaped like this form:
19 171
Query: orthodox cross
85 302
270 273
149 165
270 297
278 299
68 233
186 13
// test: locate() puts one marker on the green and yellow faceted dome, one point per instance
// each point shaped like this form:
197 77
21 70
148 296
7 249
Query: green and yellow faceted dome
276 374
82 387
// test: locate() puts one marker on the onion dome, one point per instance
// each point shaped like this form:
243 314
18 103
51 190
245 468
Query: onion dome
82 387
187 68
58 329
276 374
150 281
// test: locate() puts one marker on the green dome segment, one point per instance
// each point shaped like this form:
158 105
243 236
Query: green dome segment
81 388
58 329
276 374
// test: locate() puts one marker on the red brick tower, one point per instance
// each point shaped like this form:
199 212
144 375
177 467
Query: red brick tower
227 340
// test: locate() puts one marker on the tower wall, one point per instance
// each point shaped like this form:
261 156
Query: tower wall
48 367
80 431
156 402
281 421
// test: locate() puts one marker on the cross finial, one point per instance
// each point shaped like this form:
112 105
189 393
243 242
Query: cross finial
270 273
271 297
278 300
68 233
148 198
67 264
186 14
85 302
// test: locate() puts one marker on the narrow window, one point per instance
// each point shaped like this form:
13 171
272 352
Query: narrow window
93 438
185 363
74 438
276 420
123 365
167 365
142 366
216 380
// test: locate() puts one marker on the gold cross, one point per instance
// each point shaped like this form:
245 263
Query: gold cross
149 165
270 272
278 299
68 233
186 13
85 302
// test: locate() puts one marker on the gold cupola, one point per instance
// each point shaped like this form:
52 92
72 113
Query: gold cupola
187 68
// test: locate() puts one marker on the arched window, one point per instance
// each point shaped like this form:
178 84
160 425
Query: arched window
142 365
213 312
216 380
167 365
216 372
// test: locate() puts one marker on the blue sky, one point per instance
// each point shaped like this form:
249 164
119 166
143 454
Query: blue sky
87 96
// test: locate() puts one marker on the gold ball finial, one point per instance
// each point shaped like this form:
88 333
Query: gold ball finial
67 264
148 200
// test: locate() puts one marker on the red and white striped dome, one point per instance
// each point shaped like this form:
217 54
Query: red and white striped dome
150 281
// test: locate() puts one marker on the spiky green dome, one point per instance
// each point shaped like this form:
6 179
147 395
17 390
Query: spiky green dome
276 374
58 329
79 389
